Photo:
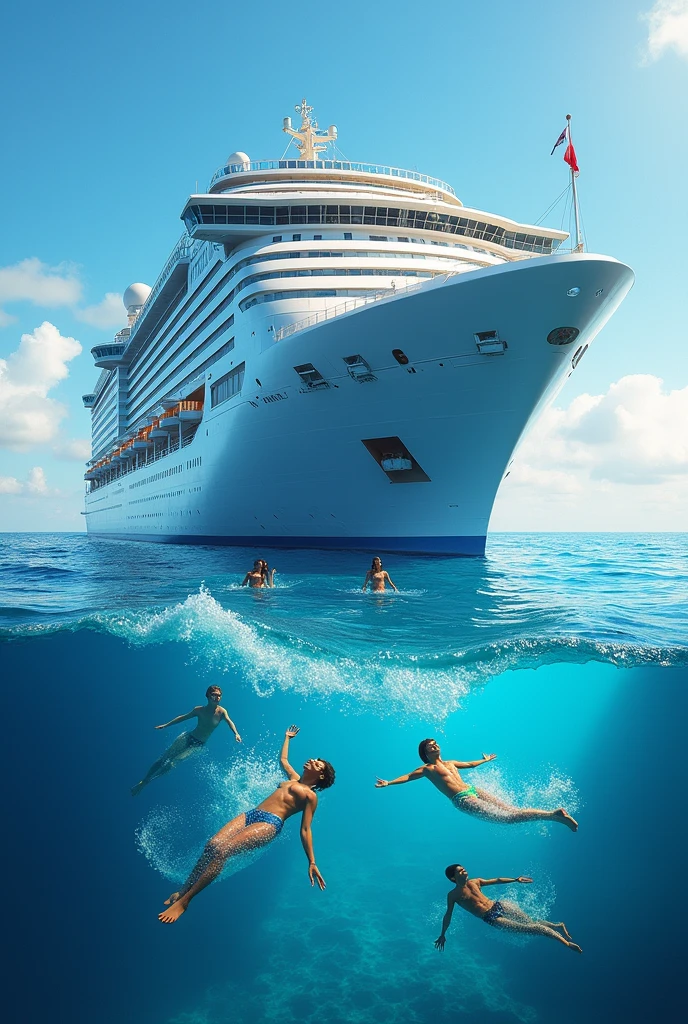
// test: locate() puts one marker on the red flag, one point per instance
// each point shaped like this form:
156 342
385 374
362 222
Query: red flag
570 157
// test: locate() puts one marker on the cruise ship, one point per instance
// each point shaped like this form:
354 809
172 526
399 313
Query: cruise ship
335 355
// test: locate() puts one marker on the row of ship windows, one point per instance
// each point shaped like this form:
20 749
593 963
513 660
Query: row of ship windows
308 293
381 216
363 252
169 494
158 476
159 515
228 386
193 463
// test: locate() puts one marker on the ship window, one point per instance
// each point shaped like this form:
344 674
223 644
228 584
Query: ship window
378 238
296 238
347 236
227 386
277 238
317 238
311 377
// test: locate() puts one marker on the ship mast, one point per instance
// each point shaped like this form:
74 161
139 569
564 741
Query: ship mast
310 140
576 212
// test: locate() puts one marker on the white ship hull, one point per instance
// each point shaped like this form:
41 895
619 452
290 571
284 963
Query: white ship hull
282 465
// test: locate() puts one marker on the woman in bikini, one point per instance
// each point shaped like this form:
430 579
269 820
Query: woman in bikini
376 577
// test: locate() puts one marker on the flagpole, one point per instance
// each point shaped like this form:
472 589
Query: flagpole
579 239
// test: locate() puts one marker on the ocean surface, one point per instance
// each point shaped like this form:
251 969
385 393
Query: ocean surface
564 654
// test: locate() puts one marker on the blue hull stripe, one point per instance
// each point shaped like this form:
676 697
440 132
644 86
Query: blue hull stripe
389 545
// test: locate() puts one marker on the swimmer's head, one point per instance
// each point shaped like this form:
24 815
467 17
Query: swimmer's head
428 749
258 564
456 873
376 564
320 771
214 693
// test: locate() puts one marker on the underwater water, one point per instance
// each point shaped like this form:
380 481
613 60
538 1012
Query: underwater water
102 640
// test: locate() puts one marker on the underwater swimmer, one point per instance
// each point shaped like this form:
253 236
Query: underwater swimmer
209 716
376 577
259 827
445 776
499 913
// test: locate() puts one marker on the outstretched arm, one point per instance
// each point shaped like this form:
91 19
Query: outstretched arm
446 921
284 759
503 881
245 580
475 764
417 773
367 580
307 840
271 577
389 580
233 727
179 718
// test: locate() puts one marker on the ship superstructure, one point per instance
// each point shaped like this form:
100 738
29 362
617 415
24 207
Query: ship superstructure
336 354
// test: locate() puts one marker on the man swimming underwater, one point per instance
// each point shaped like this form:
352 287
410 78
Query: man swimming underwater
209 716
503 914
445 776
260 826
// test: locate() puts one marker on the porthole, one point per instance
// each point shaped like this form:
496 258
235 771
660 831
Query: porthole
400 356
562 335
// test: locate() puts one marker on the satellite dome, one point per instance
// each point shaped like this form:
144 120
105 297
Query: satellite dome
136 295
240 158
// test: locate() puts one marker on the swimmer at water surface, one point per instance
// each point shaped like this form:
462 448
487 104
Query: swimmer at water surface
445 776
376 577
261 575
259 826
504 914
209 716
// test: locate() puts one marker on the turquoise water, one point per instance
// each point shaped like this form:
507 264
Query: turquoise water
100 641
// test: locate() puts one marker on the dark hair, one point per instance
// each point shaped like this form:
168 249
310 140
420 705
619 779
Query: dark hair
449 871
375 559
210 690
328 772
421 749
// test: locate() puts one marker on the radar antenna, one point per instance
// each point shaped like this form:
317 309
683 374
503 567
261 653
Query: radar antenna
310 140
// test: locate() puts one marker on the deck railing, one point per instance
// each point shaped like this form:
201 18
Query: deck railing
363 300
330 165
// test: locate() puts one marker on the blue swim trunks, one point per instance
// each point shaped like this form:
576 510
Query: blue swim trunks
495 911
257 815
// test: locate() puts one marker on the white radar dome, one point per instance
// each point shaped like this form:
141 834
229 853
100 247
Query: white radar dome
136 295
240 158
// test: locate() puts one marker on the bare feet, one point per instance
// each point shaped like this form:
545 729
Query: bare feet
562 927
175 896
175 912
572 945
565 819
137 789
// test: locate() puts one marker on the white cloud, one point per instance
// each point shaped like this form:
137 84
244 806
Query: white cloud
108 313
612 461
35 484
6 319
667 28
27 415
74 450
33 281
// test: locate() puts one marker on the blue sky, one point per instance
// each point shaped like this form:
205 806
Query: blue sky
113 114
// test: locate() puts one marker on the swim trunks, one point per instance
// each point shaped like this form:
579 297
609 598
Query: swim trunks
257 815
193 741
458 797
495 911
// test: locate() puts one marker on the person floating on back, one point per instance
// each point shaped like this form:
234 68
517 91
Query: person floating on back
376 577
503 914
445 776
261 575
209 716
259 826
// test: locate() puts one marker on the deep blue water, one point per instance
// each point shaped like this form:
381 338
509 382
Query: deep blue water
100 641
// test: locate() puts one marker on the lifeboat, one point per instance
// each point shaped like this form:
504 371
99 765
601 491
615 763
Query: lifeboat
156 431
141 442
191 412
170 419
